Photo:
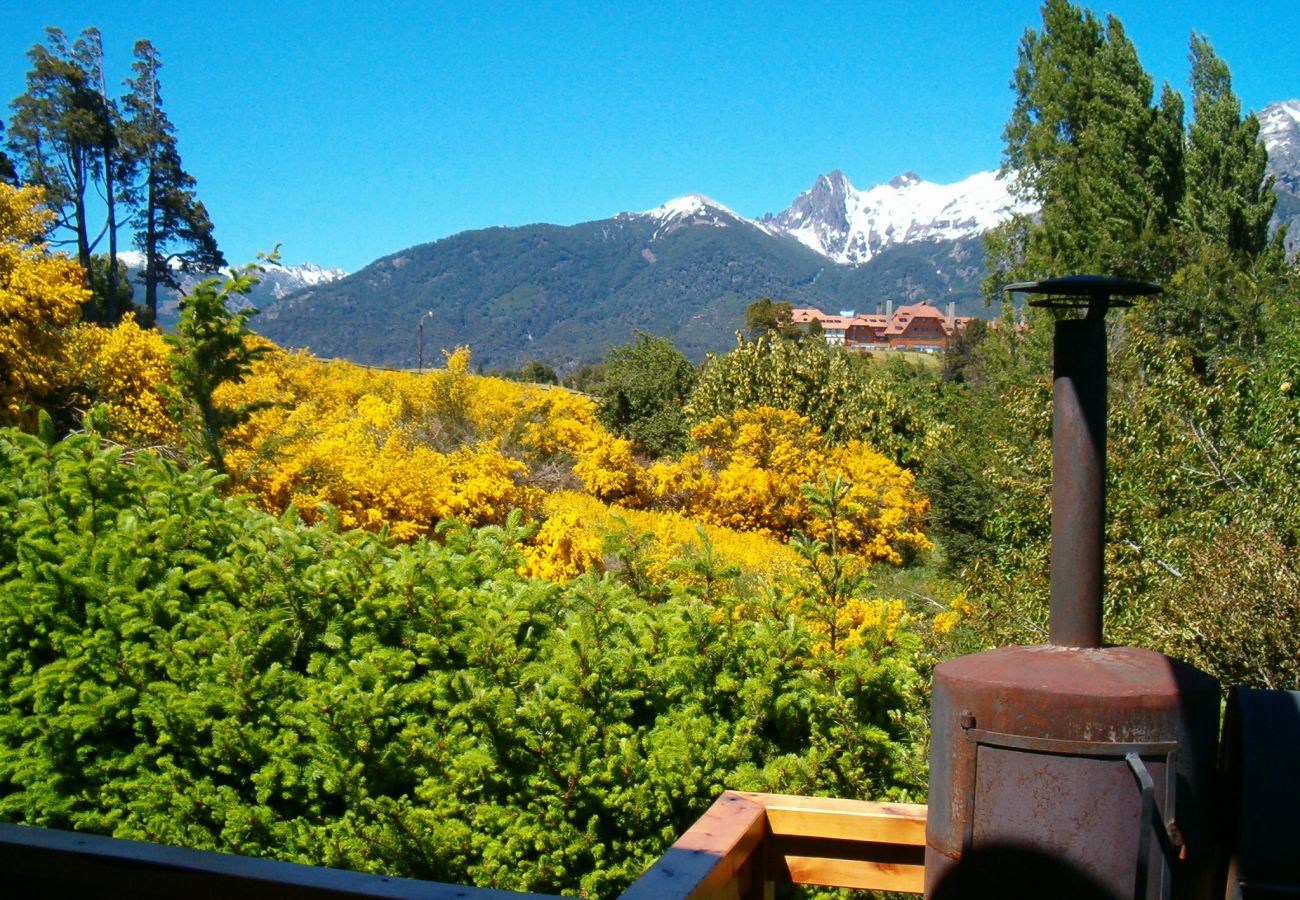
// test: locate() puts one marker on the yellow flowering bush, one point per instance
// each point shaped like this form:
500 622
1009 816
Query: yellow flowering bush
124 368
563 548
40 296
858 623
565 423
577 520
749 473
958 611
363 441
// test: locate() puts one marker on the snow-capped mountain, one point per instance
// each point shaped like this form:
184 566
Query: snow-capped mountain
1279 128
850 226
686 210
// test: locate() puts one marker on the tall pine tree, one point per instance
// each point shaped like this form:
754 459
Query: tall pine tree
114 169
1228 199
1085 144
172 225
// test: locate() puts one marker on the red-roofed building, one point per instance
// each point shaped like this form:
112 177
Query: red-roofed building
918 326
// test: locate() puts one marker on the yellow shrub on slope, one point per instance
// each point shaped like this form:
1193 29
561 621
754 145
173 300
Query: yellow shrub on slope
363 441
749 473
583 521
40 295
125 368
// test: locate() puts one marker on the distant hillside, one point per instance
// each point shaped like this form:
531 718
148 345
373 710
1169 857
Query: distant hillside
564 294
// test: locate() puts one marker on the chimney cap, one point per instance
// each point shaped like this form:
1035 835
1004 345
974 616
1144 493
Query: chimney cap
1070 291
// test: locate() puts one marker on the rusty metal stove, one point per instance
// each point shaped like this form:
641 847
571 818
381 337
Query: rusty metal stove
1073 769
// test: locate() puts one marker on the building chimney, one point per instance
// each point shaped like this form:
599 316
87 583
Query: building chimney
952 317
889 310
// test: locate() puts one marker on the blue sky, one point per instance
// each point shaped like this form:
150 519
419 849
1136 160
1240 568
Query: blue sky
348 131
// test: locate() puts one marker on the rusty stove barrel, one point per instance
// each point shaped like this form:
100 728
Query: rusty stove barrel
1072 769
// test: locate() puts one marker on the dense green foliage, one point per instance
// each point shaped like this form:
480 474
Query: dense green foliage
179 667
1204 422
645 385
766 316
846 395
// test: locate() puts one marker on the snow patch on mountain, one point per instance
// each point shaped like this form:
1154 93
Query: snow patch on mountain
850 226
1279 128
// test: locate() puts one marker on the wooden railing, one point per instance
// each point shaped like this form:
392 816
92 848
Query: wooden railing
746 843
65 865
742 846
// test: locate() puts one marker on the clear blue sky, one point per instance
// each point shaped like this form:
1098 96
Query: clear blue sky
347 131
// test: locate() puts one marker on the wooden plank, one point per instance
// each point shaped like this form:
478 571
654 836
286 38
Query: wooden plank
866 865
840 819
852 873
713 859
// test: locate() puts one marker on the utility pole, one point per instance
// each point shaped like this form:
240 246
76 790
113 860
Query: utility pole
422 318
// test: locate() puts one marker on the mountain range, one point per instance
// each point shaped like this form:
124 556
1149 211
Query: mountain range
686 269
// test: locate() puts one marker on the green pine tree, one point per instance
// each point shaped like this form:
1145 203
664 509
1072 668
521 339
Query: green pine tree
1085 144
1228 198
59 132
172 225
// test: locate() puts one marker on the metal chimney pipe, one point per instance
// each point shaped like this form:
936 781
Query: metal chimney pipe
1079 449
1078 481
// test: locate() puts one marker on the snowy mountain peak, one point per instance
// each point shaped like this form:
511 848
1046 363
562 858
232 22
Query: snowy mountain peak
689 205
851 226
689 209
1279 125
273 283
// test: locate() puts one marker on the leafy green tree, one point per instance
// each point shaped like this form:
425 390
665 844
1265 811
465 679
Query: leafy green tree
845 396
60 131
646 383
172 226
1084 143
587 380
537 372
213 346
112 292
767 316
960 357
1228 198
